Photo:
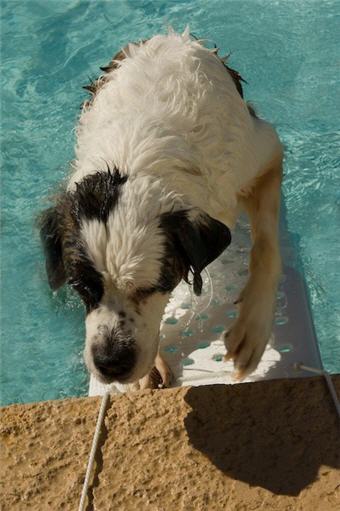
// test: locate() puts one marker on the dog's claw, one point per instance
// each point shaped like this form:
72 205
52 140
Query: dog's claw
164 370
239 375
227 357
246 342
239 299
159 377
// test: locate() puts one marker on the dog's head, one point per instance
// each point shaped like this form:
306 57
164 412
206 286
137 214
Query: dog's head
124 251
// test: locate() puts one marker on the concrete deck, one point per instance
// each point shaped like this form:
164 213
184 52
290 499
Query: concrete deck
265 445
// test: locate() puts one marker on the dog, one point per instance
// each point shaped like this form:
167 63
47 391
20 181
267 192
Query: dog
168 153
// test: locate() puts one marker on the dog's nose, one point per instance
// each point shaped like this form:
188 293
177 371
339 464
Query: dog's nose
114 361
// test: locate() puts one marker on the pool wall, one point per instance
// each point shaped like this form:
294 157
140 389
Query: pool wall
265 445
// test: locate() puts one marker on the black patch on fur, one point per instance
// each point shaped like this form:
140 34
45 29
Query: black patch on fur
51 240
97 194
85 279
66 258
191 246
173 268
236 77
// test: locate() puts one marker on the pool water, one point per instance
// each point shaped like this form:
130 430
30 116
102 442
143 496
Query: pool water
288 53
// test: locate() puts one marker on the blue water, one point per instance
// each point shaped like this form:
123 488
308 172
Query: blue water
288 52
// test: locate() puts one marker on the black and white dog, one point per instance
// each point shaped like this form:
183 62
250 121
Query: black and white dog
167 154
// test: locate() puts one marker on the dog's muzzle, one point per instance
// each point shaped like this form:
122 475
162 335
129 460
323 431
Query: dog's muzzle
114 360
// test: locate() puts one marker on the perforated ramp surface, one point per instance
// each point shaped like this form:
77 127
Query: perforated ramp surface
192 326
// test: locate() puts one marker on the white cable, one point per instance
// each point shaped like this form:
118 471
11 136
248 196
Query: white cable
195 301
328 379
101 415
211 292
193 305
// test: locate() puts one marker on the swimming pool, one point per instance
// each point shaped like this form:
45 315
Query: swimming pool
288 53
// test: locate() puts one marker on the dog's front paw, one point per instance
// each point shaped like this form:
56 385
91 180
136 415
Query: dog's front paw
160 375
245 343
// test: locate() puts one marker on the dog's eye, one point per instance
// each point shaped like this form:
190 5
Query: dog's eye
89 298
86 280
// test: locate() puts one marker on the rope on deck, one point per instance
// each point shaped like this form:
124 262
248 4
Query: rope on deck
328 379
100 420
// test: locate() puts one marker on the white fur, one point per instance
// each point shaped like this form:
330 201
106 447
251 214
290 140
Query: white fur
171 110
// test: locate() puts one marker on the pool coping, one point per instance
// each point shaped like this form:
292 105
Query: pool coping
157 443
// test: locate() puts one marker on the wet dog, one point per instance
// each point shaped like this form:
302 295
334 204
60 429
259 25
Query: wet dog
167 155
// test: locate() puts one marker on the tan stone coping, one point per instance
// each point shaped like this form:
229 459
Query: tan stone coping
254 446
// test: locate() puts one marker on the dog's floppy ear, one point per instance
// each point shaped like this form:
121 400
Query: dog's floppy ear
198 239
51 241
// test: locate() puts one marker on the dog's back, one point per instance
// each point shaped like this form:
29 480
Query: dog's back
171 108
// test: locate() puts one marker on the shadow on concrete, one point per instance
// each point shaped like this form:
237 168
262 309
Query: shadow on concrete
272 434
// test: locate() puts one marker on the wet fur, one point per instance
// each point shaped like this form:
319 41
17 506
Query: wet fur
149 203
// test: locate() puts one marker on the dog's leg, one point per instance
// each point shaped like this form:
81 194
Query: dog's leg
247 339
159 376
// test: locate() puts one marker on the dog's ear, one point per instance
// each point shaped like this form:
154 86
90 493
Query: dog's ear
198 240
52 244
